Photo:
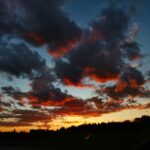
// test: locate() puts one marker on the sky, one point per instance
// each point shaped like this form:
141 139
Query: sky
71 62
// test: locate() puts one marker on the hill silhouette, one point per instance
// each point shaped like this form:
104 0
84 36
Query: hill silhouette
127 135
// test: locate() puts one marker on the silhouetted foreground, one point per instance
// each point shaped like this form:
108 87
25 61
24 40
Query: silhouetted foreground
112 136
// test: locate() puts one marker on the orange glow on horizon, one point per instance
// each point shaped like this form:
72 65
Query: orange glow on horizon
68 121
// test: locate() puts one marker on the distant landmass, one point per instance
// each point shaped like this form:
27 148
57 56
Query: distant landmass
127 135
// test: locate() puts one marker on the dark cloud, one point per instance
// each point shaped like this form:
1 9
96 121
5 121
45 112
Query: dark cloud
43 89
133 76
132 50
91 60
40 23
1 109
3 104
130 84
23 118
93 107
29 116
13 124
112 24
148 74
102 52
42 93
11 91
116 93
75 107
19 60
68 105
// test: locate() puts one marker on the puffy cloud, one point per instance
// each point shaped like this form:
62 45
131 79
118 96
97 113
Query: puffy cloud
130 85
42 93
40 23
103 54
112 24
102 51
19 60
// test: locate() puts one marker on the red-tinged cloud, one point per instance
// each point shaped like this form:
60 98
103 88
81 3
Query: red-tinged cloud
40 24
35 38
61 50
94 107
103 54
47 97
102 51
89 55
54 103
1 109
42 92
104 79
131 84
78 107
78 85
67 105
93 74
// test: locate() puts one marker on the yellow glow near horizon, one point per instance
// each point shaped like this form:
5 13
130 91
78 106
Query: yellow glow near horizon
68 121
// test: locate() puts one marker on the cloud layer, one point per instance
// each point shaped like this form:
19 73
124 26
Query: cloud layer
103 53
40 23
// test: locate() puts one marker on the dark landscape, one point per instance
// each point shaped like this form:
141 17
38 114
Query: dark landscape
127 135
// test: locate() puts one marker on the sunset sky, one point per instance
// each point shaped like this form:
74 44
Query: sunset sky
71 62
